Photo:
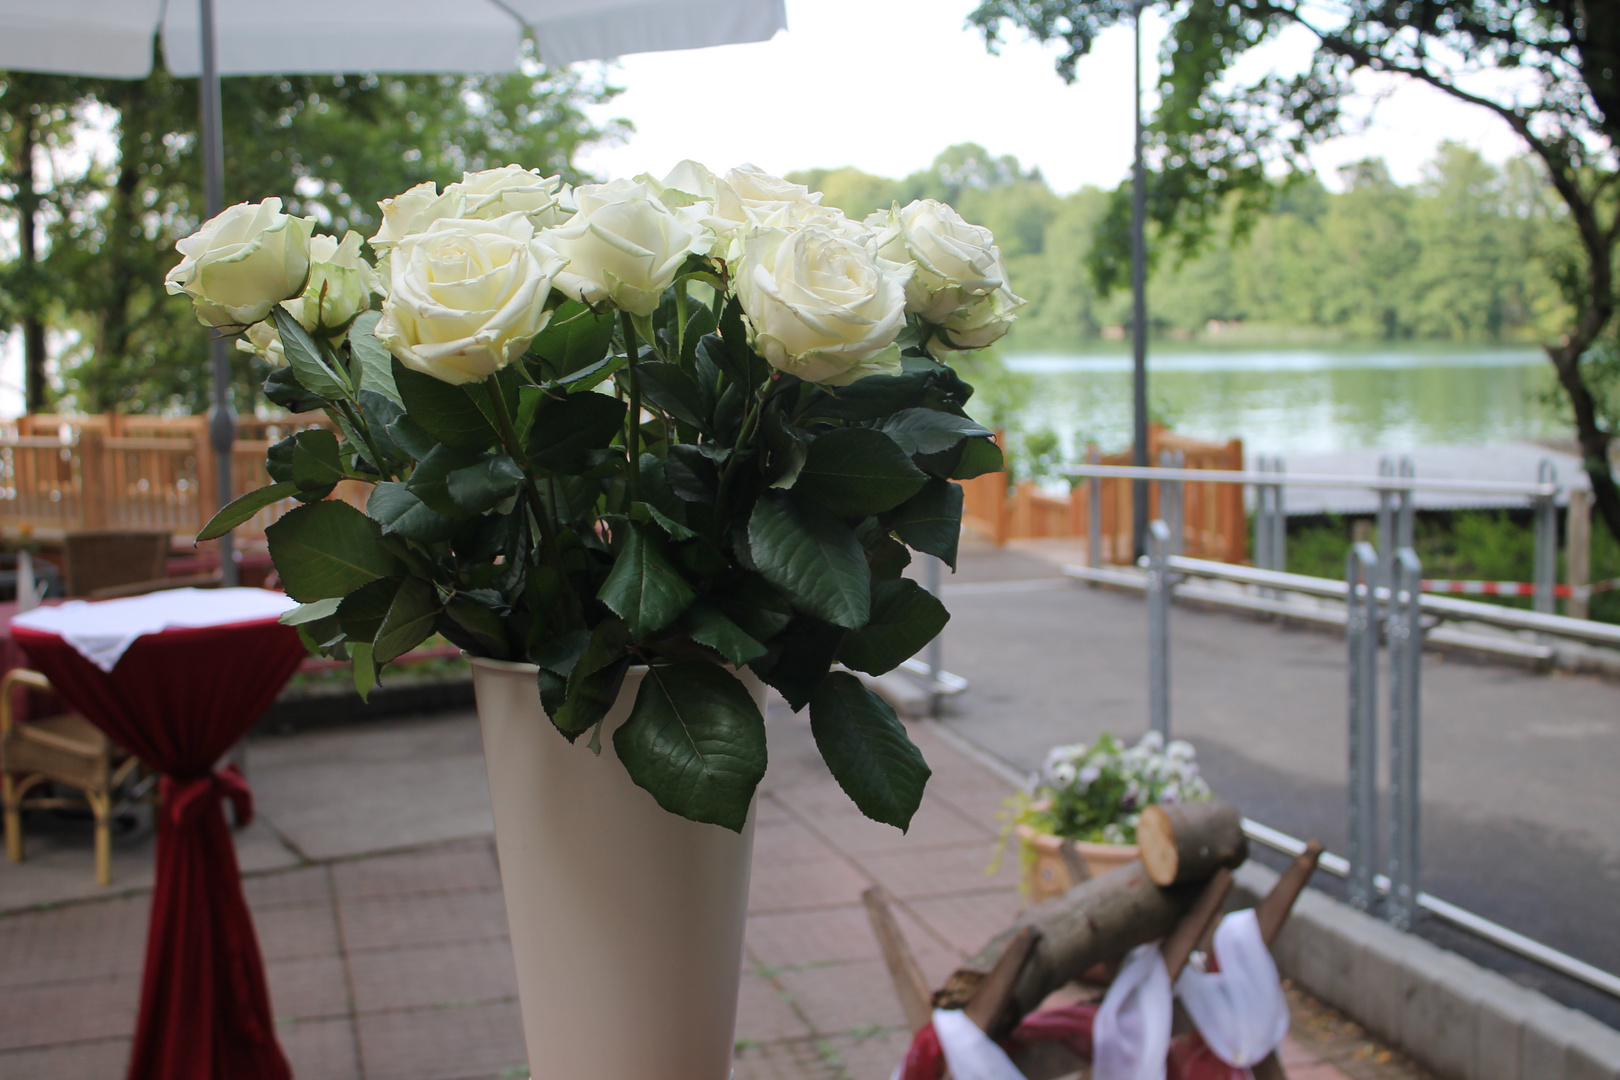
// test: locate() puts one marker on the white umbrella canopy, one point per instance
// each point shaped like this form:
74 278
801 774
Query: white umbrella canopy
113 39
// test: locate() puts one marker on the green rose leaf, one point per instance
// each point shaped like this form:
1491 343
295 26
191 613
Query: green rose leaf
315 463
575 338
363 669
565 428
400 512
447 413
307 613
671 389
244 507
858 471
696 741
431 480
979 456
707 626
409 621
483 486
928 431
812 556
799 659
362 612
376 362
931 520
644 588
594 679
281 387
905 617
304 357
867 749
327 549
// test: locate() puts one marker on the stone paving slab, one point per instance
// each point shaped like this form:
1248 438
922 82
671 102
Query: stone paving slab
396 965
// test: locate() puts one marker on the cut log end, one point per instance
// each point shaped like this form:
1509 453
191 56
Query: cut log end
1187 842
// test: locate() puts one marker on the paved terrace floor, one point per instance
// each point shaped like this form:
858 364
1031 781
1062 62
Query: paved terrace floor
376 893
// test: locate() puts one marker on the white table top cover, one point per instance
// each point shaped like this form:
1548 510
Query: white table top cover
102 630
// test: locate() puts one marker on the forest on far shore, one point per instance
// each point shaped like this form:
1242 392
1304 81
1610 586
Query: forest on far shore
1473 252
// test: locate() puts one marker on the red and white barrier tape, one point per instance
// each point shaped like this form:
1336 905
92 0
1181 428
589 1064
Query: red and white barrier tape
1511 588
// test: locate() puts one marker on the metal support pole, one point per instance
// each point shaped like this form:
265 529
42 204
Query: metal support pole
1158 598
1546 569
1404 510
1405 630
1279 521
1139 445
1172 504
936 648
1361 633
1094 520
1386 523
1262 526
222 417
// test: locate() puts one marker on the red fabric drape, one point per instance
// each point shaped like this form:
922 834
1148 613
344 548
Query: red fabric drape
178 700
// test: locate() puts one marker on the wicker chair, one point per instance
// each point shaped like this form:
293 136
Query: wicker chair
100 559
66 750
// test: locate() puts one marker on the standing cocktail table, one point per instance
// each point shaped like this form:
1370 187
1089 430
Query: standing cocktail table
176 678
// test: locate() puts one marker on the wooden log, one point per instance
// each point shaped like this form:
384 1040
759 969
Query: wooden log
1178 947
909 985
988 1008
1184 842
1094 921
1272 911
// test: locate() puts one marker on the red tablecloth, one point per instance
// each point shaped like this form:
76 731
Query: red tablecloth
178 700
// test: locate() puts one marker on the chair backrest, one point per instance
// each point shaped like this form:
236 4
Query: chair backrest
99 558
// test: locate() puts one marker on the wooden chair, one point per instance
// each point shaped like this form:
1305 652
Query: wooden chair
100 559
66 750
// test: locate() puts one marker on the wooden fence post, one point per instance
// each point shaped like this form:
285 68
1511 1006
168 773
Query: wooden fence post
92 479
1578 554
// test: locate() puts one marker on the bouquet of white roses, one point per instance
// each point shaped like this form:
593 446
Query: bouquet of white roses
1098 792
693 424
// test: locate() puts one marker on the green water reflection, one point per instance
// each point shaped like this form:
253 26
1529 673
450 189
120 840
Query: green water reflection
1297 401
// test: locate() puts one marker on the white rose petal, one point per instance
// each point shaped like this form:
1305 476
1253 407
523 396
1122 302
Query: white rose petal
467 297
492 193
412 212
242 263
624 246
819 304
263 341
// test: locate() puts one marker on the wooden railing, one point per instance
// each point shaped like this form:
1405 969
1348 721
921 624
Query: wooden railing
64 473
1215 525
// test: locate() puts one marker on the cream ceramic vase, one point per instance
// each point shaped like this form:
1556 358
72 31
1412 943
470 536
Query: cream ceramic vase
626 921
1047 875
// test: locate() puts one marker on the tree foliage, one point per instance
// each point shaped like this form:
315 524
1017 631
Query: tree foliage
330 147
1549 69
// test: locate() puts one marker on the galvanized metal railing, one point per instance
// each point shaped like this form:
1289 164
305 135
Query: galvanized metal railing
1395 614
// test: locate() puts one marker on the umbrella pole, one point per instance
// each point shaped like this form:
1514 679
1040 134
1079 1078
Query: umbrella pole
222 417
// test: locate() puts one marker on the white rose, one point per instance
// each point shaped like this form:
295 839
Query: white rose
511 188
624 246
242 263
339 288
956 262
984 321
466 297
687 183
413 211
263 341
820 305
748 193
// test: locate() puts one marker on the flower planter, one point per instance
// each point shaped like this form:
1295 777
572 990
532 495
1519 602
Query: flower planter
1045 873
626 920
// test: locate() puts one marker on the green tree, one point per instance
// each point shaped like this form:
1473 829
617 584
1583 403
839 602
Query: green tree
330 147
1216 133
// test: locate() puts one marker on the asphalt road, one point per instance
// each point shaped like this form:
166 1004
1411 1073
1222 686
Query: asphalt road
1521 771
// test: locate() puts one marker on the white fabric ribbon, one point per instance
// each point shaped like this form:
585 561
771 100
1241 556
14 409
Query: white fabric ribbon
1240 1010
101 631
1132 1034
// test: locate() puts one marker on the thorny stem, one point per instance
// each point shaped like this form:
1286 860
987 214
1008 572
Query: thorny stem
358 422
632 434
739 450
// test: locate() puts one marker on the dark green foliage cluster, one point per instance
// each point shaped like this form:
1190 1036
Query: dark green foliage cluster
749 519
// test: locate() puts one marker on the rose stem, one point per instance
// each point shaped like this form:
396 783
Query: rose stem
632 435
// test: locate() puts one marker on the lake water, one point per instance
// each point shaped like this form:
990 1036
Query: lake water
1295 400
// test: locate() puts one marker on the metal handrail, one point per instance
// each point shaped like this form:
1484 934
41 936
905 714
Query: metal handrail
1363 483
1445 607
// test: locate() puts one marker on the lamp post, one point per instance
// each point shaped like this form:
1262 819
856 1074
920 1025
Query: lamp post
1139 445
